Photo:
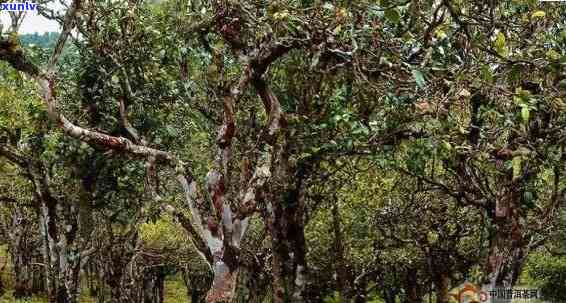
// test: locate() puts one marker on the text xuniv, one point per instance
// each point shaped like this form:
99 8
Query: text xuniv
17 7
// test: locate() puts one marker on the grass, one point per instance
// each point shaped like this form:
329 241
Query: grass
175 291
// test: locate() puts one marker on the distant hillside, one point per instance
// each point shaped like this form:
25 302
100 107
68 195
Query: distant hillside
45 40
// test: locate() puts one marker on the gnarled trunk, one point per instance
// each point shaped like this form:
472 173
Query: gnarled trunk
49 254
60 252
289 266
505 262
508 250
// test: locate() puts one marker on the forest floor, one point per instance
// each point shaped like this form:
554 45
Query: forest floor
174 293
175 290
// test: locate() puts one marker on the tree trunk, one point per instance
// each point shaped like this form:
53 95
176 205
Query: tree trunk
113 279
2 290
413 294
253 283
153 286
49 256
289 266
21 255
343 276
508 249
286 225
442 282
61 257
389 295
360 288
38 278
197 284
505 262
22 279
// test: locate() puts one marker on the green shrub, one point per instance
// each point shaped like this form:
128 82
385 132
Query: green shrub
548 273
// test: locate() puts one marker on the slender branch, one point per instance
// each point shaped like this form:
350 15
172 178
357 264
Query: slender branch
68 25
13 156
276 119
189 226
8 199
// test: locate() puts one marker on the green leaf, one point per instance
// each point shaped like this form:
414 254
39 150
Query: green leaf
440 33
304 156
552 55
432 237
171 131
486 73
516 166
446 145
337 30
500 45
528 197
392 15
500 40
328 6
419 78
525 114
538 14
